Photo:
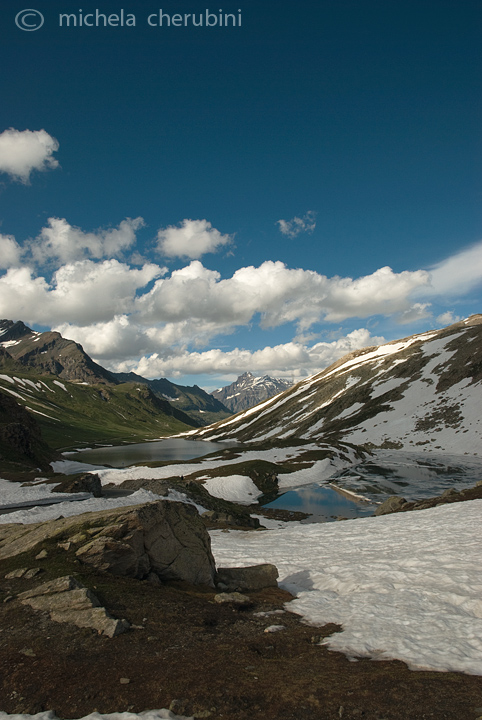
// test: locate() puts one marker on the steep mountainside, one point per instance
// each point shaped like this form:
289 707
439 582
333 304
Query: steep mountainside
20 437
422 392
247 391
51 354
48 353
194 401
71 414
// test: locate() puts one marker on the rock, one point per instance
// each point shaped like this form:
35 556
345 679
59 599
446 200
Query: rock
391 504
167 538
18 573
68 601
32 573
163 537
78 538
42 555
28 652
58 585
450 493
88 482
247 579
154 579
233 598
26 573
274 628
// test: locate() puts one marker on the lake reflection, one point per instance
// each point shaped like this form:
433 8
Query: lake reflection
168 449
323 503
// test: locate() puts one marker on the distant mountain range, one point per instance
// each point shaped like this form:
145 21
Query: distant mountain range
248 390
194 401
420 393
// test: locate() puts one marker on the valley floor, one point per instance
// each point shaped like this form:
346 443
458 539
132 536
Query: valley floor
205 660
403 590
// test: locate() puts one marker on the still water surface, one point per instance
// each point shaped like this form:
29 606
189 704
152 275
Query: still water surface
168 449
413 476
323 503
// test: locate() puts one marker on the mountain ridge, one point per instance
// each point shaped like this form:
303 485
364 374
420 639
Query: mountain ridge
248 390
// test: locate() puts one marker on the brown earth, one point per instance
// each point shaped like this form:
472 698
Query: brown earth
202 659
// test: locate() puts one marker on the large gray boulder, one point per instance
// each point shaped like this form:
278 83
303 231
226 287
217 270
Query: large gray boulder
163 537
246 579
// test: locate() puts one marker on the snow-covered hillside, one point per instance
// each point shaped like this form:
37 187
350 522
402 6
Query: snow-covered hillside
422 392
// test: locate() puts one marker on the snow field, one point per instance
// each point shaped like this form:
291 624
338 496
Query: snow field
79 503
405 586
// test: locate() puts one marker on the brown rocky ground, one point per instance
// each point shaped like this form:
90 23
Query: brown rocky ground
201 659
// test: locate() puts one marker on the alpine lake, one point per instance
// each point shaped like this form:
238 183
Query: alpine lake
351 493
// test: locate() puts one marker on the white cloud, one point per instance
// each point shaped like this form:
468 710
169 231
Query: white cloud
279 294
65 243
289 359
448 318
122 313
84 292
21 152
457 274
10 252
295 226
418 311
192 239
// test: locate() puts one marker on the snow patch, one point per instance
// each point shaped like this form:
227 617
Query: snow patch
235 488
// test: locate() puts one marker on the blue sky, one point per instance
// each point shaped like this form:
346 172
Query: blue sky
204 201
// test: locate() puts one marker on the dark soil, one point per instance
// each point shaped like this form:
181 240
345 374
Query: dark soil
202 659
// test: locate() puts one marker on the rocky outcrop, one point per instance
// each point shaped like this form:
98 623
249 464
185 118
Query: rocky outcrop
86 482
20 436
165 538
392 504
68 601
451 495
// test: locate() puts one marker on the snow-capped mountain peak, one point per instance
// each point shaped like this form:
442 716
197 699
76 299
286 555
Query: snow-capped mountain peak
249 390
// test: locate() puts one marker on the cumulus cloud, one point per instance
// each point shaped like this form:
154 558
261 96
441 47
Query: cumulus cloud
10 252
192 305
191 239
64 243
295 226
21 152
448 318
162 323
277 293
84 292
289 359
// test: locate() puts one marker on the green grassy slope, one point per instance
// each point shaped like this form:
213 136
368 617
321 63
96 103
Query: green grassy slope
73 414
